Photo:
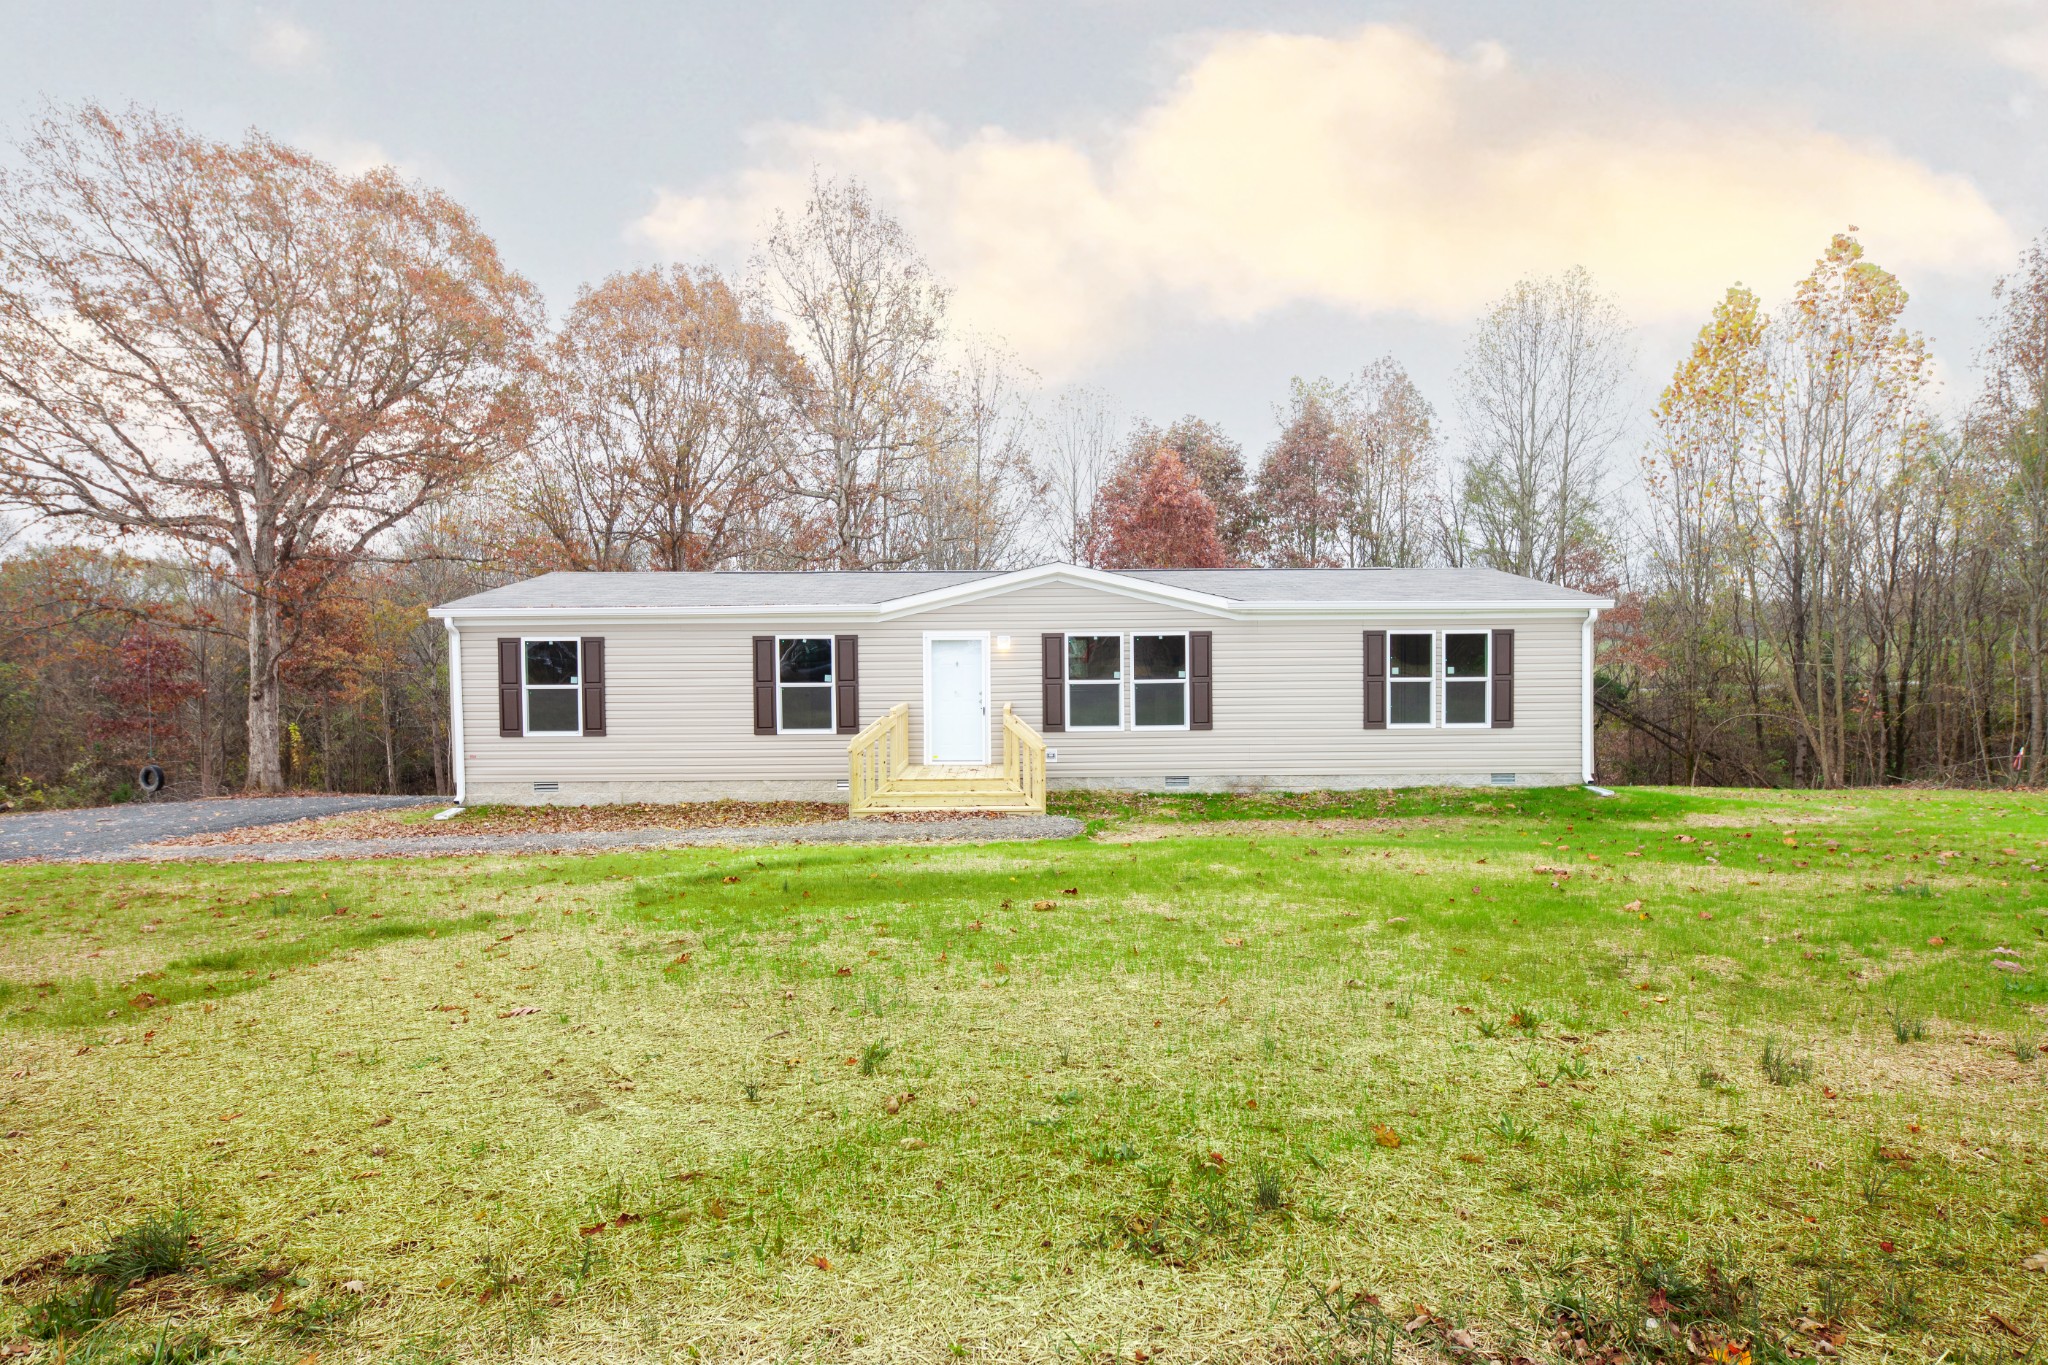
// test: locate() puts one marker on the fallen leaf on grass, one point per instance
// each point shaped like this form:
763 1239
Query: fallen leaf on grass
1071 891
911 1144
522 1010
277 1304
2037 1261
687 1176
1233 943
384 1122
1043 905
1385 1136
821 1263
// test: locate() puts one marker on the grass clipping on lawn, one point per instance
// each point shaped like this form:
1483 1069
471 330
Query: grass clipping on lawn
1042 1103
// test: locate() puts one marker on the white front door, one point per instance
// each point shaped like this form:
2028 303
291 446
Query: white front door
956 712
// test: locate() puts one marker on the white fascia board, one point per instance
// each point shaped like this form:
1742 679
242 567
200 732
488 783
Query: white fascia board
890 611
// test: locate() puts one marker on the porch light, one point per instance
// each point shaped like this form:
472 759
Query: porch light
1003 643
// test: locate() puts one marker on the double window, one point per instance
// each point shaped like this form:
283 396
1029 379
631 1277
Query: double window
803 683
1159 682
552 675
1418 661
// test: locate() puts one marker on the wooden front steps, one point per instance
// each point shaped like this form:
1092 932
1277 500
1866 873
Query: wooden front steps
880 776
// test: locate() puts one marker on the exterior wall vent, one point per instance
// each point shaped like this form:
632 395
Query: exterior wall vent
844 785
1503 779
1176 781
546 788
1052 755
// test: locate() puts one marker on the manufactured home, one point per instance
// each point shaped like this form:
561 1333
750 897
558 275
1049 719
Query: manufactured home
978 690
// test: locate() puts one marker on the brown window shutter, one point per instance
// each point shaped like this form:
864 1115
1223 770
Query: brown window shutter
511 710
593 684
1375 680
1503 680
1200 715
846 681
1053 681
764 684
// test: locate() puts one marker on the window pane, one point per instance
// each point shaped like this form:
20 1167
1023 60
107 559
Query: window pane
1159 656
550 663
551 710
1408 703
1160 703
1464 702
1097 704
1464 656
1094 657
807 661
806 708
1408 656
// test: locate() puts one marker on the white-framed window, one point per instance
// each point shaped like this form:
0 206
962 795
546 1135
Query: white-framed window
1411 679
1468 678
803 683
1159 681
1095 682
551 674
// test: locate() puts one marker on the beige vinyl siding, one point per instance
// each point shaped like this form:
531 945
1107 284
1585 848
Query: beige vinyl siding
1287 696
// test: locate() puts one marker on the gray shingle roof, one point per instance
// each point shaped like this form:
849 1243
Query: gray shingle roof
657 591
1363 585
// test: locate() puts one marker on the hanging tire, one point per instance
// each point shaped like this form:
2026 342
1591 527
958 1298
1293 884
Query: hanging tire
150 779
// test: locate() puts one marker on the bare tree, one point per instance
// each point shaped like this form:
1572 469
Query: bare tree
2012 423
1392 434
242 350
869 322
1543 403
981 487
1077 447
663 423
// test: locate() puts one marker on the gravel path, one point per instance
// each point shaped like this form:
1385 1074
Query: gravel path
978 831
103 832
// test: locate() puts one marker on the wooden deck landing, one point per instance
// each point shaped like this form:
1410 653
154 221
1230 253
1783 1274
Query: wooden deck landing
883 778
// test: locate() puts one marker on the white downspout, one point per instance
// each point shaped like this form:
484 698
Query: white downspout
455 705
1586 697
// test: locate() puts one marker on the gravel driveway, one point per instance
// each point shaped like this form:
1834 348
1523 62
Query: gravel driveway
105 832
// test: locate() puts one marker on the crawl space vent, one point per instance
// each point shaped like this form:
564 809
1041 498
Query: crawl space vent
1176 781
546 788
1503 779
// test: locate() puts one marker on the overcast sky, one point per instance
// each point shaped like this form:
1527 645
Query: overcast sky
1180 203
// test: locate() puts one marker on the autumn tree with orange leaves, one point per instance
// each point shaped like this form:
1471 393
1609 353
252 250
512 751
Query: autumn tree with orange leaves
240 352
1154 515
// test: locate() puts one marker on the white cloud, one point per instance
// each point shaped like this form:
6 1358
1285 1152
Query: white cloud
1369 172
280 44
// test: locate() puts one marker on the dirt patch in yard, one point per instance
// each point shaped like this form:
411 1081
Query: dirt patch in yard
546 820
1150 832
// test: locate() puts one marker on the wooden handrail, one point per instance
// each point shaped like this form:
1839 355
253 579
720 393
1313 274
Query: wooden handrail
876 756
1023 757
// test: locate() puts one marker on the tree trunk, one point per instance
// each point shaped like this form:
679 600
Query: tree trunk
266 765
390 743
2037 722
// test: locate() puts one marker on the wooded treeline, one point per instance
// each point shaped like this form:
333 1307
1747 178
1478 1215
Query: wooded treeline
257 415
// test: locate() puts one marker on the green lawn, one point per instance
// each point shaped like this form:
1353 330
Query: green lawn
1283 1079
